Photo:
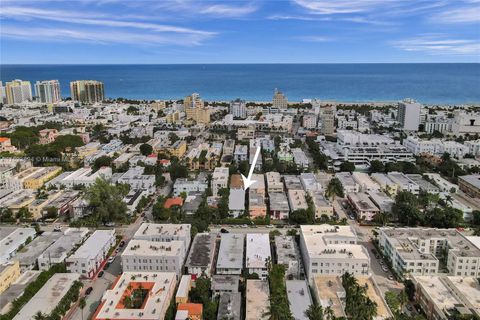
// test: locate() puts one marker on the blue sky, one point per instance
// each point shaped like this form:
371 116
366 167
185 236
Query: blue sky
250 31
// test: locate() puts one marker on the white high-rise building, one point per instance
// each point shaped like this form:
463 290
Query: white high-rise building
48 91
238 109
409 114
18 91
3 96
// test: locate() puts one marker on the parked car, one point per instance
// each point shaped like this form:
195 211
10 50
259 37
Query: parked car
100 274
110 260
122 243
223 230
390 277
88 291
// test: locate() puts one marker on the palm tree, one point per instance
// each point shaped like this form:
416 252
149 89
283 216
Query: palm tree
82 303
39 316
316 312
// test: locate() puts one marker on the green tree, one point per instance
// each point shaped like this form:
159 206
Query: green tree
146 149
106 201
334 188
347 166
82 304
376 166
316 312
405 209
103 161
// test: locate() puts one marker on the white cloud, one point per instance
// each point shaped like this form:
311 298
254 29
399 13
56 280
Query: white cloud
468 14
314 38
228 11
439 45
111 37
339 6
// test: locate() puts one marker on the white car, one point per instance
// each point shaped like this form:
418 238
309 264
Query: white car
111 259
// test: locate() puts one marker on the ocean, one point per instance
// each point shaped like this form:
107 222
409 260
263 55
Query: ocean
426 83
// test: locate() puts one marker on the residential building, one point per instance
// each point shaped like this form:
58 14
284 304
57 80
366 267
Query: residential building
81 177
363 207
259 185
230 306
442 297
409 114
332 250
288 255
300 158
256 204
230 254
238 109
257 302
241 153
309 121
49 296
365 182
329 293
297 200
386 184
470 184
9 273
153 256
327 119
246 133
195 109
184 288
225 284
404 183
48 91
465 122
164 233
47 136
32 178
349 184
423 184
160 287
87 91
236 198
135 178
299 298
178 149
201 256
322 206
310 183
279 100
12 240
189 311
274 184
90 256
417 251
182 185
443 184
6 145
219 180
61 248
258 254
18 91
382 201
279 208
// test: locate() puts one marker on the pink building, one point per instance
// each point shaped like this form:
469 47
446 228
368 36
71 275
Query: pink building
48 136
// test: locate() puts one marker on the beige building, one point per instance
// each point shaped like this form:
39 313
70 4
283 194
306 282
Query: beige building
9 273
18 91
279 100
257 300
87 91
195 109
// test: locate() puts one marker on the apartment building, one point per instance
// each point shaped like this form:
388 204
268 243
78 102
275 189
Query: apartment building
246 133
332 250
18 91
404 183
182 185
297 200
47 136
470 184
164 233
299 298
160 287
274 184
409 114
135 178
288 255
386 184
12 240
238 109
225 284
201 256
89 257
309 121
322 206
153 256
349 184
279 208
48 91
228 150
32 178
443 297
310 183
230 306
230 254
256 204
219 180
300 158
81 177
9 273
177 149
241 153
87 91
365 182
417 251
292 182
258 254
236 198
363 207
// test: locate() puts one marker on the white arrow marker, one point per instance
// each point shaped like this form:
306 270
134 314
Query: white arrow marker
247 182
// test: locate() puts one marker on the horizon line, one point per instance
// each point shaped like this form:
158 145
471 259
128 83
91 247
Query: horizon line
229 63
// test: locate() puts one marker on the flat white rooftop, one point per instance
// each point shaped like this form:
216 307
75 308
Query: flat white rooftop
153 229
230 254
91 247
153 248
258 250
